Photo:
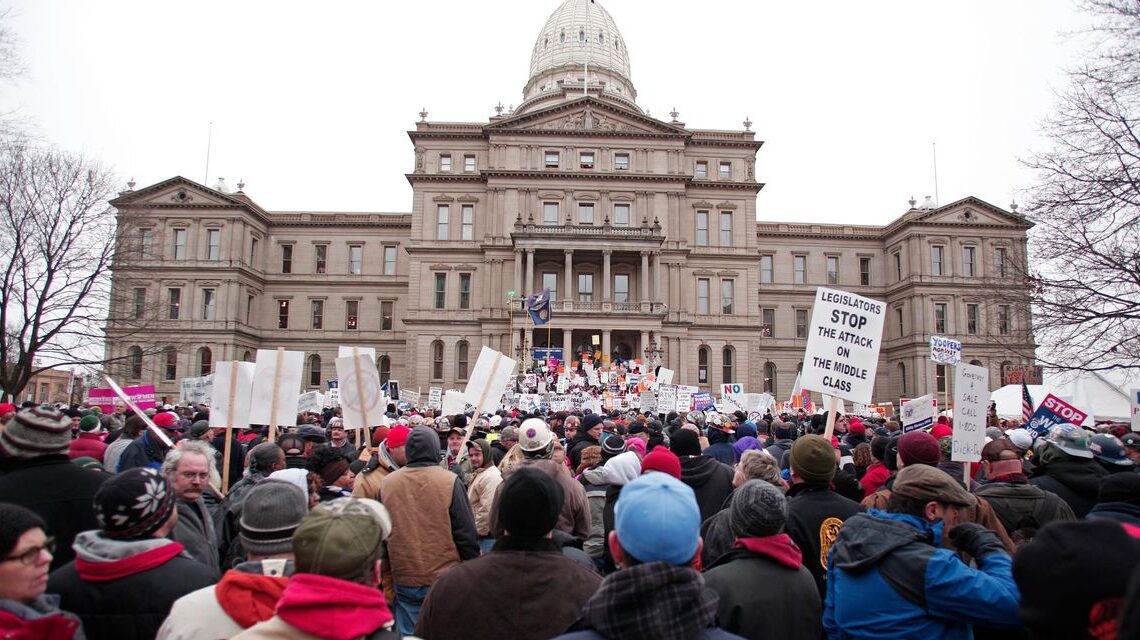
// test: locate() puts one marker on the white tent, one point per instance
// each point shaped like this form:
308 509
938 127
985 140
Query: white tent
1098 395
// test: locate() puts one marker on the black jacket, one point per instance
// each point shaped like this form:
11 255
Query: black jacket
815 513
762 598
60 492
578 445
710 480
144 451
1075 480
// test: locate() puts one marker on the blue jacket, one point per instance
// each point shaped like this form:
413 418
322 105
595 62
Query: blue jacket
887 577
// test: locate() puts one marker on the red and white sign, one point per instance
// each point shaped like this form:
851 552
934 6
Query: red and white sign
1064 409
105 398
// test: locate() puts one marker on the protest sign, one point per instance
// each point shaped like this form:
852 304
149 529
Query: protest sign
918 413
666 398
971 400
489 379
945 350
649 401
233 388
758 403
345 351
361 399
435 397
1135 396
859 409
276 381
197 390
333 398
836 403
127 400
453 403
1053 411
310 402
842 352
702 400
104 397
409 396
665 376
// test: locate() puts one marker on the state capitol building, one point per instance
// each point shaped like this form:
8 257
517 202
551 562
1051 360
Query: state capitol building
644 230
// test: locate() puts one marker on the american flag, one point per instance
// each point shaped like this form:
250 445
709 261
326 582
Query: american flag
1026 403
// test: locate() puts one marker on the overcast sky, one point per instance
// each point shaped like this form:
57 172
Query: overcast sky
311 101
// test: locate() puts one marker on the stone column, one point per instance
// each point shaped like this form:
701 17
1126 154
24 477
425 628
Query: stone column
644 276
644 345
529 283
606 275
656 277
605 344
567 346
518 271
568 294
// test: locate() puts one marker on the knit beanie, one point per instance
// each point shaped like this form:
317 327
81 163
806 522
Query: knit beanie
133 504
272 511
612 445
589 421
919 447
89 422
663 460
36 431
529 503
758 509
813 459
684 443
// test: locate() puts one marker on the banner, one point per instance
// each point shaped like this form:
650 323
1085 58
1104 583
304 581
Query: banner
197 390
702 400
105 398
842 352
917 413
945 350
971 401
1053 411
538 306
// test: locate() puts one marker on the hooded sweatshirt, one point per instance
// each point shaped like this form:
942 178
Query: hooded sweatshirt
1075 480
246 595
709 479
720 446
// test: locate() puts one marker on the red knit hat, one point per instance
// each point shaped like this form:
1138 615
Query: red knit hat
398 436
941 430
855 425
663 460
919 447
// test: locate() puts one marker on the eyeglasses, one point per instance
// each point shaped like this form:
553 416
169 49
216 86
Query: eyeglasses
30 556
190 475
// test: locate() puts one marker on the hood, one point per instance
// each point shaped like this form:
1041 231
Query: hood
41 618
867 537
422 448
331 608
697 470
643 603
100 559
486 449
621 469
716 436
247 597
779 547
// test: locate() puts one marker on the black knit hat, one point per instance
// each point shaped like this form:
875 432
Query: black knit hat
530 503
36 431
133 504
15 521
685 443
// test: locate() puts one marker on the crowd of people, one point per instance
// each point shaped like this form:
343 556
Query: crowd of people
616 525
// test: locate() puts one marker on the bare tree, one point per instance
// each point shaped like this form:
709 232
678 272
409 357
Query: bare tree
1084 285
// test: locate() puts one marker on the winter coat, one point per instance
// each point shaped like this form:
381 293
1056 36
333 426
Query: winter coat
555 589
618 471
881 556
124 589
228 519
246 595
1122 512
87 445
315 607
367 483
778 449
144 451
815 514
481 493
720 447
594 482
716 534
114 453
195 530
1075 480
874 479
765 591
575 516
578 445
39 619
709 479
1023 508
58 491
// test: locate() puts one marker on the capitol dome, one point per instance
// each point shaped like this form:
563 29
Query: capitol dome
577 32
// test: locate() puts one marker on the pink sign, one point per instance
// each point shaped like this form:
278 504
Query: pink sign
105 399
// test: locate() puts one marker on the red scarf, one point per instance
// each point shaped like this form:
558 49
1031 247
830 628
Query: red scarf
129 566
332 608
778 547
249 598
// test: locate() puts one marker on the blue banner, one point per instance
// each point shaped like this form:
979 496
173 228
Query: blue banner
538 306
702 400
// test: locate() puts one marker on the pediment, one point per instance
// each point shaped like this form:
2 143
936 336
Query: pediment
586 115
178 192
971 211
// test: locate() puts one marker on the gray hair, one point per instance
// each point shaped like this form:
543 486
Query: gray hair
175 455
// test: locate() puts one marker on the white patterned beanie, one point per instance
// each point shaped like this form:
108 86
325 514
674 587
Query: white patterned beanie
134 504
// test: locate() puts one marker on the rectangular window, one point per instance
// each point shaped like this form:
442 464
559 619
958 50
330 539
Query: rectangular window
174 303
179 244
972 319
282 314
899 318
725 229
767 323
586 160
940 378
355 258
968 254
702 228
725 170
585 287
140 303
832 269
213 244
865 272
550 213
253 251
442 217
551 159
320 255
799 269
621 215
585 213
318 312
387 313
766 275
621 162
898 267
467 230
465 291
936 260
389 260
286 258
702 295
351 314
440 291
1003 319
207 304
702 170
469 163
171 363
621 287
550 281
146 242
445 162
999 261
801 323
726 297
940 317
249 309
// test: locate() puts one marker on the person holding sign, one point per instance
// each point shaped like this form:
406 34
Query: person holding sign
1066 467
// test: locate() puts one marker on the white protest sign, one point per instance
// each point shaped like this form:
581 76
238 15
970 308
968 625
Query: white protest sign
1135 396
409 396
276 381
361 399
827 400
139 412
843 345
563 384
348 351
435 397
334 394
666 398
233 386
665 376
945 350
859 409
197 390
310 402
971 401
684 399
489 379
453 403
649 401
758 402
917 413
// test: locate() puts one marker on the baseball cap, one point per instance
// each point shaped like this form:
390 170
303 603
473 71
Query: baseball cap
341 538
312 433
923 482
1071 439
1022 439
533 434
657 519
165 420
398 436
1131 440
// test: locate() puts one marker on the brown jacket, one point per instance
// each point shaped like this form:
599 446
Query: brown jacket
575 516
982 514
367 483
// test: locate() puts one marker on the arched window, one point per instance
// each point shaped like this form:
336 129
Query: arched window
170 355
437 360
902 379
461 351
247 356
134 355
703 365
385 366
977 363
205 361
314 370
727 357
769 377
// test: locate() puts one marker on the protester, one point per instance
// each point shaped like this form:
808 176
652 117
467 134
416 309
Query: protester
127 574
781 444
764 589
187 467
710 480
333 593
1022 508
524 562
1066 467
878 473
720 445
508 438
88 443
716 531
338 439
1110 453
40 477
25 555
1118 499
588 435
148 450
263 460
335 472
481 491
296 450
248 593
389 456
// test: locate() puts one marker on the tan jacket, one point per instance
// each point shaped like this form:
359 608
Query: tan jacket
421 545
367 484
482 494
